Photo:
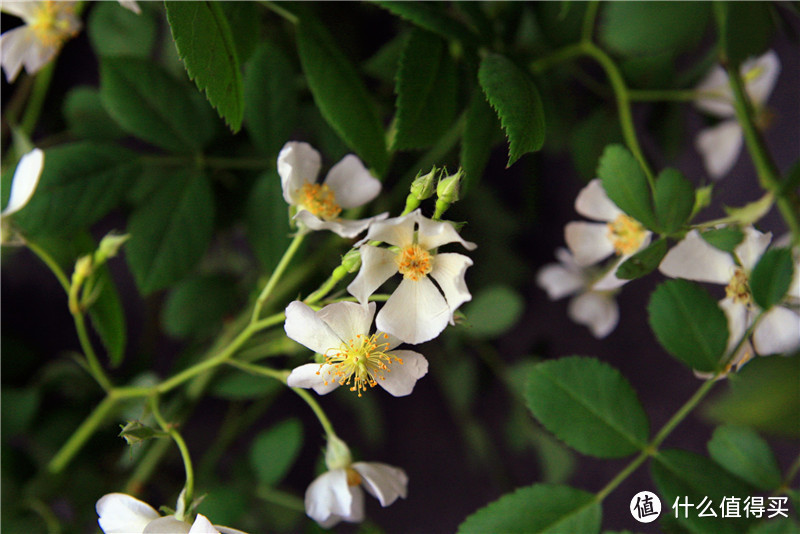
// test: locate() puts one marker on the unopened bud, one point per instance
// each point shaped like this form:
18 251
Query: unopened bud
136 432
352 260
83 268
448 187
109 247
423 185
337 454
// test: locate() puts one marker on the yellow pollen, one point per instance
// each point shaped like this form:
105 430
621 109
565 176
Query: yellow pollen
626 234
359 363
414 262
738 288
51 23
353 478
320 200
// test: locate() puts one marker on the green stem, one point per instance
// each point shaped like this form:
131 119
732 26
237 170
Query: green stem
327 286
188 494
52 264
790 474
279 10
36 101
95 369
82 434
588 21
562 55
281 498
276 274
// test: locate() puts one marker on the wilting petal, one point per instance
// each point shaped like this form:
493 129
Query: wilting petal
330 495
448 270
588 242
768 68
778 331
752 247
348 319
313 376
416 312
304 326
401 378
695 259
593 202
346 228
558 281
434 234
26 178
377 266
597 311
384 482
352 183
119 513
168 525
720 146
298 164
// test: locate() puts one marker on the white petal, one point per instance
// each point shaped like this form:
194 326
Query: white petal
348 319
752 247
298 164
720 146
26 178
738 321
119 513
314 376
401 378
131 5
346 228
352 183
433 234
377 266
416 312
558 281
694 259
609 280
777 332
329 495
593 202
449 270
760 88
597 311
716 81
38 55
24 9
14 45
398 231
304 326
167 525
588 242
384 482
202 525
228 530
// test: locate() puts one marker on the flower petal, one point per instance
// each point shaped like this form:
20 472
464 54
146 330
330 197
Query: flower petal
167 525
588 242
348 319
397 231
448 270
716 82
694 259
384 482
131 5
752 247
314 376
329 495
766 68
304 326
597 311
558 281
343 227
14 45
593 202
416 312
777 332
400 378
738 321
228 530
377 266
202 525
24 9
720 146
119 513
298 164
26 178
609 280
433 234
352 183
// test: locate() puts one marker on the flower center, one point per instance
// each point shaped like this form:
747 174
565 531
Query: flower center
738 288
360 362
353 478
320 200
52 23
414 262
626 234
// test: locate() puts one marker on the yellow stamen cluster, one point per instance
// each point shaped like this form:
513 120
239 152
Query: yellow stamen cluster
353 478
414 262
626 234
320 200
359 363
51 23
738 288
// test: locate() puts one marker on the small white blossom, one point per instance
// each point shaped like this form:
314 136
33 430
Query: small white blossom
347 185
23 185
417 311
721 144
353 356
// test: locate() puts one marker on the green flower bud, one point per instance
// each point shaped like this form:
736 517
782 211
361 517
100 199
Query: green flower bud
109 247
352 260
423 185
136 432
447 189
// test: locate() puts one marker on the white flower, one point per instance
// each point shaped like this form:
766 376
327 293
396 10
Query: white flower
23 185
340 332
616 233
693 258
347 185
720 145
119 513
594 309
417 311
47 25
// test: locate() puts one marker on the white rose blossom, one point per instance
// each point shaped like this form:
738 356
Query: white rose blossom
778 330
119 513
418 310
23 185
720 145
594 309
353 356
347 185
47 25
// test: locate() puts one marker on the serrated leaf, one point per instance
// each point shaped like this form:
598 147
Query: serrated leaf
643 262
514 97
274 451
108 317
340 94
431 17
689 324
480 131
626 184
771 277
205 43
538 509
673 200
87 118
182 317
268 226
743 453
243 17
494 311
171 230
589 405
150 104
725 239
121 32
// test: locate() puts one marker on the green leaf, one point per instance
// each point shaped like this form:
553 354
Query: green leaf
641 28
747 30
108 317
205 43
268 220
643 262
752 212
242 386
19 407
426 91
270 112
673 199
589 405
121 32
743 453
171 231
183 318
590 137
275 450
245 18
383 63
340 94
431 17
626 184
150 104
771 277
538 509
480 133
494 311
81 182
516 100
87 118
725 239
689 324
